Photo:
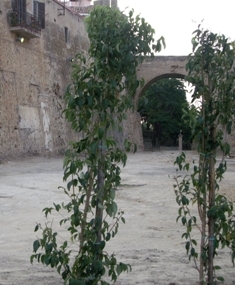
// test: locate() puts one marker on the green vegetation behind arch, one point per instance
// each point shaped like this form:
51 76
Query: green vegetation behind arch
161 110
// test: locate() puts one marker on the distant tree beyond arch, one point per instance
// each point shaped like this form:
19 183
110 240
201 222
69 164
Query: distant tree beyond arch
161 109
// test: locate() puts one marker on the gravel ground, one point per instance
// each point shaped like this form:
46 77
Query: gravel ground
150 240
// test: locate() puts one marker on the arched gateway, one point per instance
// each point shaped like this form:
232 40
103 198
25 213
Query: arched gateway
152 70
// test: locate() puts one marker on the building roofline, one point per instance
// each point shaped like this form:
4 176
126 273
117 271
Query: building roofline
72 11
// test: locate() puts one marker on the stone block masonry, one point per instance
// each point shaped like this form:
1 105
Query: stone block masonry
34 75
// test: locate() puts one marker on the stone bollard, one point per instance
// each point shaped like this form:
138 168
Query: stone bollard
180 141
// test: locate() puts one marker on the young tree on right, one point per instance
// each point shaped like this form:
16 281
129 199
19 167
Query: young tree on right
210 70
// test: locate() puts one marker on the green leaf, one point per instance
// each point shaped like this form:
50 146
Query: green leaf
220 278
112 194
185 200
109 210
57 207
187 246
119 269
36 245
49 247
32 258
192 251
108 236
184 220
114 208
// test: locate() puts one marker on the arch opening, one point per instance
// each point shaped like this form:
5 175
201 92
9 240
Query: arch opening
160 105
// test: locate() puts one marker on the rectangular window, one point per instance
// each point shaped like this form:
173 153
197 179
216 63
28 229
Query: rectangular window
35 9
39 12
18 5
66 34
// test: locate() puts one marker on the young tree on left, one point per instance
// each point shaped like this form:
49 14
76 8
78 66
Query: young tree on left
102 90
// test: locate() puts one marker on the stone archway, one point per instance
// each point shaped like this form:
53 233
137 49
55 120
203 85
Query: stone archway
155 79
151 71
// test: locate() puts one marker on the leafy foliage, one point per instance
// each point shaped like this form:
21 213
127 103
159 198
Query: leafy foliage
210 69
161 106
102 89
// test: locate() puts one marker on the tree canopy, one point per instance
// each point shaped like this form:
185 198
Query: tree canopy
161 108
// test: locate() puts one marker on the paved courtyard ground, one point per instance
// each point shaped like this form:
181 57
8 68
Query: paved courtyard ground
150 240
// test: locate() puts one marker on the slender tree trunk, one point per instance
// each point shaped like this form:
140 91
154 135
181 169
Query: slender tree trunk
201 271
100 197
203 192
87 203
156 140
202 212
211 220
99 205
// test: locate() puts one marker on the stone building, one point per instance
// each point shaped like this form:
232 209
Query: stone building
37 41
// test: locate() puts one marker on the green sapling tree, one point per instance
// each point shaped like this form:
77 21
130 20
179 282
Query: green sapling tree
210 70
103 86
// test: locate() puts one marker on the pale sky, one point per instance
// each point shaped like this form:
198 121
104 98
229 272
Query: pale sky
175 20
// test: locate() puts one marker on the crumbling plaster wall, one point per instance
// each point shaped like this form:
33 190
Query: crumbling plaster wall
33 78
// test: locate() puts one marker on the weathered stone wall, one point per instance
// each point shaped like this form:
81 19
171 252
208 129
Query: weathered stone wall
132 129
33 78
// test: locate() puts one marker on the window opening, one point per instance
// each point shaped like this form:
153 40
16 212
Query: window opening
39 12
66 31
